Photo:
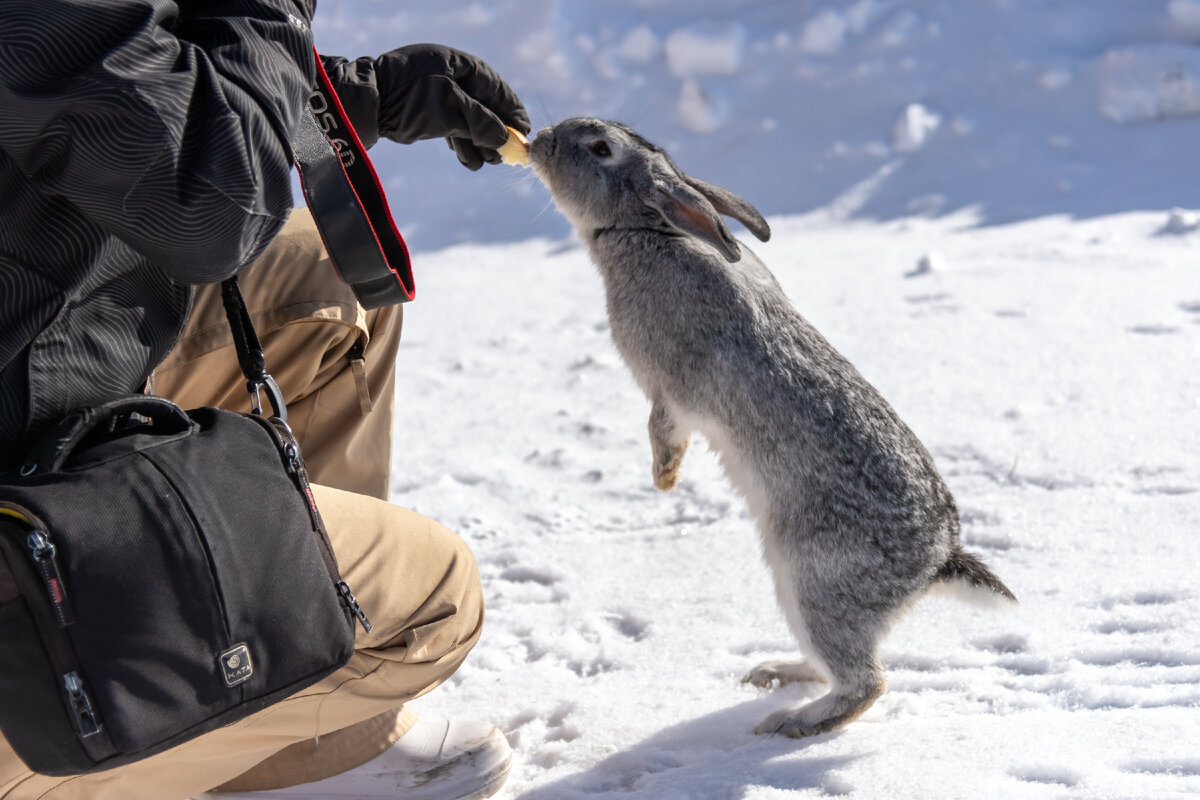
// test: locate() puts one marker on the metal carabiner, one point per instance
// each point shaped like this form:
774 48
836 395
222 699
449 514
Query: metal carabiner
274 395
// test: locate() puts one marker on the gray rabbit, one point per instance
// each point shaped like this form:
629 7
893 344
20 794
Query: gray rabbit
856 523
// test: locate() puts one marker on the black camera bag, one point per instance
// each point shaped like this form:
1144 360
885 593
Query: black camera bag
162 573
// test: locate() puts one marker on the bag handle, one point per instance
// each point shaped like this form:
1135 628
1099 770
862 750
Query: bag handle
58 444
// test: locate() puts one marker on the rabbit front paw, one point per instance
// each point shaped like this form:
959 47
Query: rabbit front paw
666 471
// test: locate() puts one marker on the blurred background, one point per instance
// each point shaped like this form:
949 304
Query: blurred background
1009 109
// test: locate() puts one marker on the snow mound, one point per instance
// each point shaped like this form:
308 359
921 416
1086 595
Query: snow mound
1179 222
930 262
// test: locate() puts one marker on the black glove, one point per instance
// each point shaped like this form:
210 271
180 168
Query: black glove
427 91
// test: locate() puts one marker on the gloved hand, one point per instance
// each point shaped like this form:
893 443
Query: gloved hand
427 91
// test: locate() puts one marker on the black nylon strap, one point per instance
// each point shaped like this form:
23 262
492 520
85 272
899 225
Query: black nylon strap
245 339
249 351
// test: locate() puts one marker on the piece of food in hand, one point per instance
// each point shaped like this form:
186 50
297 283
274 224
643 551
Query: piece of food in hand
516 149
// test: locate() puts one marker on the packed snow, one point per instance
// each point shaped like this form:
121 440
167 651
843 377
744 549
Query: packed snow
987 206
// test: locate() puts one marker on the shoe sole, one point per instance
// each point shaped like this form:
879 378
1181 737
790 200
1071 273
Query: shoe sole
495 783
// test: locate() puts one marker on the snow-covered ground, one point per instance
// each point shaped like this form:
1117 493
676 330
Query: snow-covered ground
973 202
1049 366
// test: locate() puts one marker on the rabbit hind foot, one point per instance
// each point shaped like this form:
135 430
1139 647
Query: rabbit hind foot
843 704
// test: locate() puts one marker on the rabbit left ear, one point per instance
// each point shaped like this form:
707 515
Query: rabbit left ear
689 212
729 204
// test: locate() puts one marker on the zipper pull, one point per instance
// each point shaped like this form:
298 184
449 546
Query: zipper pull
81 705
44 552
291 454
351 603
295 468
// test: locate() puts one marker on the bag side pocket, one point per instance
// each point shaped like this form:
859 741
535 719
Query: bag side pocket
48 742
148 627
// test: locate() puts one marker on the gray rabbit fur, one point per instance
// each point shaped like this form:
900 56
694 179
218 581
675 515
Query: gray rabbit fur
856 523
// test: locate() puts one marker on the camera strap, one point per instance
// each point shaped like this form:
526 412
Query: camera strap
250 353
347 202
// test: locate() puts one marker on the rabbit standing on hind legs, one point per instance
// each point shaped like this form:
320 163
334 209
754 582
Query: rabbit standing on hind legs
856 523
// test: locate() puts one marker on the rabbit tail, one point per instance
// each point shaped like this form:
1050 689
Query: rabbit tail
967 578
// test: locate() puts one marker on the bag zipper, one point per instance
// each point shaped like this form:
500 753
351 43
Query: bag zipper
81 705
352 604
51 626
45 556
294 464
295 467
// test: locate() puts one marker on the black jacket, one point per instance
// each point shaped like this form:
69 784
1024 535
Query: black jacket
144 147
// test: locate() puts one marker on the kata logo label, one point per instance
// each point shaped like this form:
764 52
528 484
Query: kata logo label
236 664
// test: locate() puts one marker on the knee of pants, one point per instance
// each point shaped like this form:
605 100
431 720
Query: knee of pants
448 624
415 578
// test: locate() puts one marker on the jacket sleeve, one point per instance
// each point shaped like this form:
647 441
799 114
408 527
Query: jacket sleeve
354 82
166 124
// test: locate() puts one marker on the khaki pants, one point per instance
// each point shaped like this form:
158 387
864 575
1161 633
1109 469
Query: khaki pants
415 579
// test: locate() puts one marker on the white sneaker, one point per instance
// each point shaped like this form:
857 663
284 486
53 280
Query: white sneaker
436 760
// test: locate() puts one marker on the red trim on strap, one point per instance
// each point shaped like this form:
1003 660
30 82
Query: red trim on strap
360 152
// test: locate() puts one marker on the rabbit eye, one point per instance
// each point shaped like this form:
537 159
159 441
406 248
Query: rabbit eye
600 148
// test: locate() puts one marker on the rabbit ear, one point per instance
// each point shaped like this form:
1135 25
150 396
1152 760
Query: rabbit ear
729 204
686 210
